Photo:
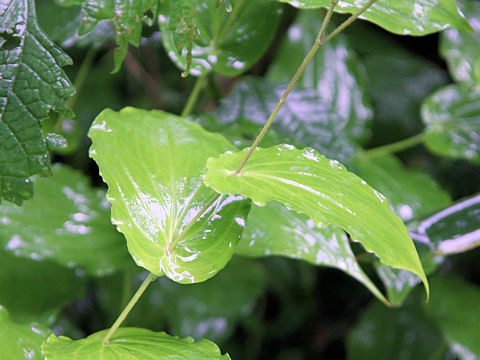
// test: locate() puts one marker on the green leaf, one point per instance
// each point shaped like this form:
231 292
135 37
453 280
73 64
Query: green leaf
225 38
32 289
452 117
307 182
412 193
452 230
275 230
20 341
335 72
68 222
156 190
454 307
132 344
404 17
31 85
461 49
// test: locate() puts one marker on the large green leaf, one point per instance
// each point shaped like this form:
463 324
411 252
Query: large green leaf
307 182
32 83
132 344
153 163
275 230
68 222
452 117
452 230
405 17
335 72
454 307
461 49
20 341
225 38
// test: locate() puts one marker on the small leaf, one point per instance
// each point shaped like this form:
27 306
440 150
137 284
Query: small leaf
67 222
275 230
228 39
452 117
155 188
132 344
307 182
32 83
404 17
20 341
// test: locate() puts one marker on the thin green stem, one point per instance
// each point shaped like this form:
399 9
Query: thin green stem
394 147
290 86
192 99
129 307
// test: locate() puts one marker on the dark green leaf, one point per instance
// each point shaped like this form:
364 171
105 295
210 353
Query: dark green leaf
307 182
404 17
68 222
32 83
225 38
153 163
452 117
132 344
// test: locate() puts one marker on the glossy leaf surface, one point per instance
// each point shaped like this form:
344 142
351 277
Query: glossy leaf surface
454 307
32 83
307 182
20 341
404 17
461 49
275 230
132 344
452 117
156 190
66 222
452 230
227 39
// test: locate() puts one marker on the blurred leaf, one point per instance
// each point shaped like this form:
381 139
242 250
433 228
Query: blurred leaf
20 341
32 84
132 344
155 188
307 182
412 193
452 230
66 222
275 230
32 289
404 17
335 72
452 117
454 307
225 38
461 49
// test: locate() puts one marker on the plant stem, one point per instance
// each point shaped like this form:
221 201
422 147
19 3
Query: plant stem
394 147
129 307
192 99
290 86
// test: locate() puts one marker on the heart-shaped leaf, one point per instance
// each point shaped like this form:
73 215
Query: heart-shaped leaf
152 162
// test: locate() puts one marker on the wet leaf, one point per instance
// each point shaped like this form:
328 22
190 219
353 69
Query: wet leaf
454 307
133 344
20 341
66 222
452 117
335 72
404 17
307 182
454 229
32 83
275 230
225 38
461 49
156 190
